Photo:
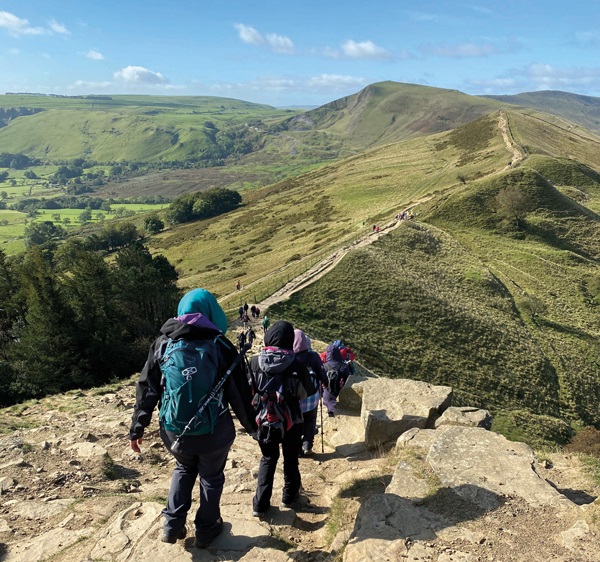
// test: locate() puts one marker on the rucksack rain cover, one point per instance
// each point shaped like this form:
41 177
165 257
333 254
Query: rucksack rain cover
190 369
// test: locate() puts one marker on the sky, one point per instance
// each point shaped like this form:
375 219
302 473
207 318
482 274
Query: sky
289 53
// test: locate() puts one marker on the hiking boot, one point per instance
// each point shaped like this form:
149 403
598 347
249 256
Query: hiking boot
256 513
287 504
206 537
307 450
172 539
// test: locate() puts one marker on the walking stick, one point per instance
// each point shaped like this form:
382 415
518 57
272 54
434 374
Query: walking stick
321 401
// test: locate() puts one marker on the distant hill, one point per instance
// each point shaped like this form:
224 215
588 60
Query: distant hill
583 110
390 111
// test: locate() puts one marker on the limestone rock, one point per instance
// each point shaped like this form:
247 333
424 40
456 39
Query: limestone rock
383 526
406 484
87 450
6 483
465 416
481 466
392 406
350 397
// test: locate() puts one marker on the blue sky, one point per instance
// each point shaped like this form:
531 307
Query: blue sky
297 53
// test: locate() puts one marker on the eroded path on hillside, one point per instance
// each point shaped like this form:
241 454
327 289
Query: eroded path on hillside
326 265
518 153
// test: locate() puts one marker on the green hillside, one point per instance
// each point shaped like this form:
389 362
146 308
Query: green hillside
287 226
390 111
506 315
121 128
583 110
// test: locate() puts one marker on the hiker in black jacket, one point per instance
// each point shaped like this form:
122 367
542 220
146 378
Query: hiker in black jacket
277 359
199 317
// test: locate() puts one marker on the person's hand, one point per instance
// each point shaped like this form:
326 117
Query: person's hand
135 444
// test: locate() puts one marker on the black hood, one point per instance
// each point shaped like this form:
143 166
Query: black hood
280 334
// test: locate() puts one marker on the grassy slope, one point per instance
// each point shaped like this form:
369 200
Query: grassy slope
389 111
314 213
583 110
447 301
135 128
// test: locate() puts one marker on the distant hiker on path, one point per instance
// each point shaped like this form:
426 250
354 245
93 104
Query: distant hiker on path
265 323
241 311
253 311
245 319
309 406
241 338
279 383
202 451
250 335
238 285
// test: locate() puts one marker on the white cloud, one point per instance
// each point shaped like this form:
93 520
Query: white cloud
277 43
249 34
335 82
57 27
17 26
140 75
364 50
280 43
543 77
94 55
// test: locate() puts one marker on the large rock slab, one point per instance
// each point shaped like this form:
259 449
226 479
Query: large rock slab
385 527
465 416
350 397
481 466
392 406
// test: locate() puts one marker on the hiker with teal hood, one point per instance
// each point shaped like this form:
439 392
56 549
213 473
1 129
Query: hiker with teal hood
279 382
195 373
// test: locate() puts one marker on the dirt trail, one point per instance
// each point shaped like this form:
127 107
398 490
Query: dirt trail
512 146
327 264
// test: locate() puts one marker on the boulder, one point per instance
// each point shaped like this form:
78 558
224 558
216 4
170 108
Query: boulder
385 527
482 466
392 406
351 395
465 416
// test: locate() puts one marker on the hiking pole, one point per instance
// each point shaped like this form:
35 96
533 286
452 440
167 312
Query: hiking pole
321 401
213 393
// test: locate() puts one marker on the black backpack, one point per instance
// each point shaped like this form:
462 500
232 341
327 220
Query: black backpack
335 381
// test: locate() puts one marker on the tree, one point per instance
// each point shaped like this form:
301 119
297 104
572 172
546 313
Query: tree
533 306
41 233
3 177
153 224
3 194
514 204
85 216
30 175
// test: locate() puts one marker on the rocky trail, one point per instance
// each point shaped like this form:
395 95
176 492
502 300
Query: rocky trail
72 490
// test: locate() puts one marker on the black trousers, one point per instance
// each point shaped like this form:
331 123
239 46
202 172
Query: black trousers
268 465
203 457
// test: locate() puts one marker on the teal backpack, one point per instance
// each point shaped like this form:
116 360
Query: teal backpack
189 370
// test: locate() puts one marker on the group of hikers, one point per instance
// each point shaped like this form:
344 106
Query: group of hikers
194 374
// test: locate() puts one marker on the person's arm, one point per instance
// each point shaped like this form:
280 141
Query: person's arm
317 366
238 393
147 395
